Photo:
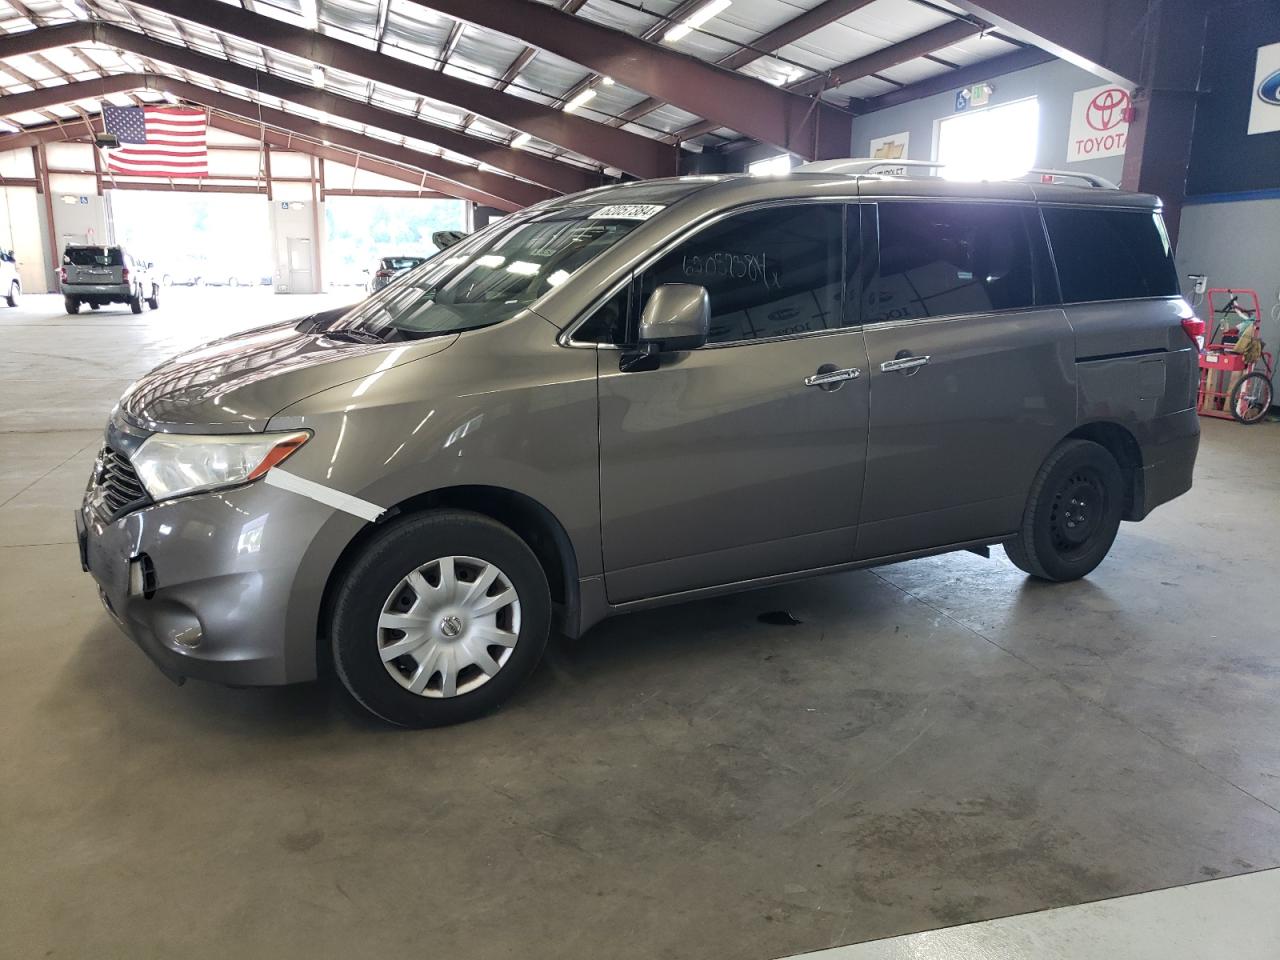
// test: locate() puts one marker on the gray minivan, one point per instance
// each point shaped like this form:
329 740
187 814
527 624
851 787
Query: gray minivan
642 394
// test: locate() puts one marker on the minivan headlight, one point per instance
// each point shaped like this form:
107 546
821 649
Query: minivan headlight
173 464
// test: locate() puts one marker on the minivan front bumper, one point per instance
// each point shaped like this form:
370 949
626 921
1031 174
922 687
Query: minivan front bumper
204 584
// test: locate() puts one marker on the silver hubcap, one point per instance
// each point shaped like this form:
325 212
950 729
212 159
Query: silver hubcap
449 626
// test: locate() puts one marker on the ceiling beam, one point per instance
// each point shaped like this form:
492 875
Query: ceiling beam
1102 36
961 77
425 186
636 154
791 31
550 173
891 56
750 106
464 182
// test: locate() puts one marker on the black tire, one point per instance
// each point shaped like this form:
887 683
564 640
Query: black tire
135 302
1072 514
12 297
1254 389
72 304
402 547
154 300
95 306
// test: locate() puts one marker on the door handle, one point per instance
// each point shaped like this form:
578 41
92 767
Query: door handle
903 363
827 377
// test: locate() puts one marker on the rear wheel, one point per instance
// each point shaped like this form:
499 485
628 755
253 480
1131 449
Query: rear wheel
1251 397
154 300
12 297
440 619
94 306
72 304
135 302
1072 514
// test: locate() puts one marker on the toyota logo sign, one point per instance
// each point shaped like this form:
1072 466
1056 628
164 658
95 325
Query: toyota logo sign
1106 110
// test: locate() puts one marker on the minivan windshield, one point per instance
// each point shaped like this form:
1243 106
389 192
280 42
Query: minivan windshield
492 275
94 256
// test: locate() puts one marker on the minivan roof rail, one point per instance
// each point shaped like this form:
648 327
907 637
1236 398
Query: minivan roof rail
855 166
858 165
1092 179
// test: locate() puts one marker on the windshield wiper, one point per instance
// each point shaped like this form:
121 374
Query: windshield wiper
354 335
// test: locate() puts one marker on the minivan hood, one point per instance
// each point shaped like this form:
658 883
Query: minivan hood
236 384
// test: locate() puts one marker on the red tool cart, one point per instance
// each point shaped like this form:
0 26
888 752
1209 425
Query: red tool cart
1235 369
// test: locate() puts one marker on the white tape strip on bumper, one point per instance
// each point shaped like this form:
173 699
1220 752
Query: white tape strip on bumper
326 495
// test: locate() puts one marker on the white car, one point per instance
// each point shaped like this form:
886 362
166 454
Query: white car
10 284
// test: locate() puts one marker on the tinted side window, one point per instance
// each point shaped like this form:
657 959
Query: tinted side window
940 259
1110 254
769 273
609 323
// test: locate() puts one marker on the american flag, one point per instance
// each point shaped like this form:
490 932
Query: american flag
159 141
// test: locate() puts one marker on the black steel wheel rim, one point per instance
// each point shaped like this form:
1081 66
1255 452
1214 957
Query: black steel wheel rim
1077 512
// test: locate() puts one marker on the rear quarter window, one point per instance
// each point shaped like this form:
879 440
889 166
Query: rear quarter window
1111 254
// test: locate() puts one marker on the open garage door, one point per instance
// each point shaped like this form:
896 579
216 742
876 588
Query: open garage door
195 238
363 231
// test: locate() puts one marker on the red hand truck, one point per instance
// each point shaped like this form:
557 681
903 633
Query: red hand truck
1233 387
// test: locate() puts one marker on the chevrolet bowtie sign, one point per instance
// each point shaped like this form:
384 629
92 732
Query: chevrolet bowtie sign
1264 116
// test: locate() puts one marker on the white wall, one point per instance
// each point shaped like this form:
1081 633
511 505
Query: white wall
1234 244
298 221
21 230
1053 84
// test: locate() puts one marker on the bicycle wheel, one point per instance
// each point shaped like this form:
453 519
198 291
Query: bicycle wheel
1251 398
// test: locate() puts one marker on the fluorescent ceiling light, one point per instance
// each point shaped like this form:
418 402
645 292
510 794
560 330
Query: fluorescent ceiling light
607 81
76 9
579 100
491 260
523 267
8 127
317 77
310 14
520 140
695 20
557 278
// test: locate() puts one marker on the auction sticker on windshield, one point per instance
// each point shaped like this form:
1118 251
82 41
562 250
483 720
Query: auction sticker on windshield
627 211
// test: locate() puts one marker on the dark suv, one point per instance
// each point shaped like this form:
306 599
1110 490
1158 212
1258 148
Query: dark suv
101 275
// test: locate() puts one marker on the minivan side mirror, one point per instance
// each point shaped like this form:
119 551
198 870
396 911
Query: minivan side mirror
677 316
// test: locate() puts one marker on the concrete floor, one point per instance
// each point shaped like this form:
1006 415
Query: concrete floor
937 742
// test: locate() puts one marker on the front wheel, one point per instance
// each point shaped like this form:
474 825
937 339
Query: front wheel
440 619
1072 513
1251 397
154 300
12 297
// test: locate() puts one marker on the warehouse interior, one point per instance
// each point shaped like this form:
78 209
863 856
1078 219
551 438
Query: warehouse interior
939 757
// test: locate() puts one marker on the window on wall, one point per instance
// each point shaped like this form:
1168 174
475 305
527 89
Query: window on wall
770 167
995 143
